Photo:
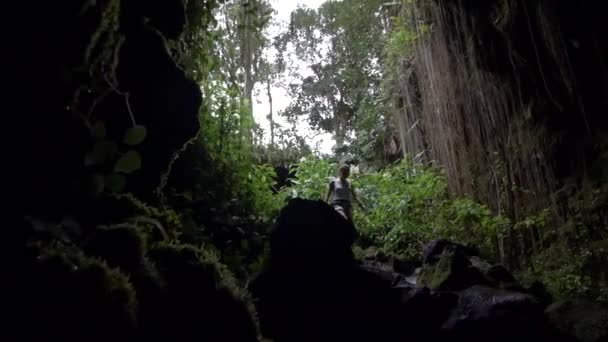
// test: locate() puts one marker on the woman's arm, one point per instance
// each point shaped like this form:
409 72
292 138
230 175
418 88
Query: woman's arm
329 191
354 194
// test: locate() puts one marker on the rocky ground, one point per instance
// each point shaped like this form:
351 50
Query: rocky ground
315 290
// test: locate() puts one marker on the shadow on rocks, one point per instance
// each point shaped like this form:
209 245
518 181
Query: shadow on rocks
313 290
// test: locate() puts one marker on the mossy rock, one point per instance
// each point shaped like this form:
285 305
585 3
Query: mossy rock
435 276
207 303
121 246
496 275
376 254
580 319
452 271
157 224
124 247
405 265
359 253
433 250
69 296
309 234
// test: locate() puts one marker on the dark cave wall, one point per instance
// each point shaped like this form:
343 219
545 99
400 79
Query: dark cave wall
88 261
130 72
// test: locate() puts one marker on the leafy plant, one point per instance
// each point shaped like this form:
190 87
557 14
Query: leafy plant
312 178
409 205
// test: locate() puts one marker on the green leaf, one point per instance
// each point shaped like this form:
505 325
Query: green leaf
99 130
135 135
101 152
129 162
115 182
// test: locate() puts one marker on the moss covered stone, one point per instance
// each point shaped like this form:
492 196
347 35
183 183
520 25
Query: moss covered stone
207 303
157 224
121 246
435 276
124 247
67 295
452 270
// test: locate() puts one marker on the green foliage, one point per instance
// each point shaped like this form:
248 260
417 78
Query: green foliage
261 181
288 148
476 224
344 72
105 155
157 223
128 162
402 38
227 201
135 135
312 178
562 276
571 263
570 277
167 255
229 180
408 206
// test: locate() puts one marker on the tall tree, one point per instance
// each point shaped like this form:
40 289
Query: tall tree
243 25
341 44
269 73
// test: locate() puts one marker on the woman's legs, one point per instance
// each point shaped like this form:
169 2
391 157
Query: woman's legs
344 208
348 209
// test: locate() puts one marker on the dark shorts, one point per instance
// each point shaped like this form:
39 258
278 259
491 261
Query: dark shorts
343 207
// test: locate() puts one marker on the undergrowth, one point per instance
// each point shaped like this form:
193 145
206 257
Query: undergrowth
409 205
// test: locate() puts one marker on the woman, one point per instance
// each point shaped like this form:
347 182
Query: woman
342 193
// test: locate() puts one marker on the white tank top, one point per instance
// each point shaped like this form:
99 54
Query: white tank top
341 190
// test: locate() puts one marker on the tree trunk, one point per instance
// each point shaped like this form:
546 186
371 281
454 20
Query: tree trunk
270 117
247 61
338 133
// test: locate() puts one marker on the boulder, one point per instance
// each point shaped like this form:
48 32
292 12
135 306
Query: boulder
65 295
451 270
423 311
313 290
434 249
451 266
404 265
311 234
375 254
123 247
206 303
484 313
579 319
496 275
